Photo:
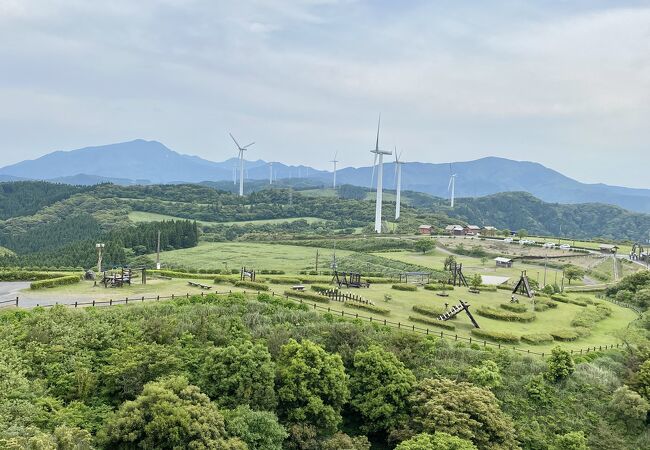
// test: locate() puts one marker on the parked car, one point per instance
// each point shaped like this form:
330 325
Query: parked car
508 240
549 245
565 247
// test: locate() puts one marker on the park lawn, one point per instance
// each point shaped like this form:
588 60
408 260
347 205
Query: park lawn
400 305
234 255
436 260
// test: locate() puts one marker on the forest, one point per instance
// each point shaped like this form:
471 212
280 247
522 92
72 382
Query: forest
262 372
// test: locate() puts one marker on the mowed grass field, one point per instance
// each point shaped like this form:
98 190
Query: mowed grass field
400 305
216 255
141 216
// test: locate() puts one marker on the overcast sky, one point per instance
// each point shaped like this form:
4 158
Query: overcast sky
563 83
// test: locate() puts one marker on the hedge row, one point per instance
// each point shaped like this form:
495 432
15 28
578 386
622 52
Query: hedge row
497 314
489 288
276 280
497 336
307 296
26 275
544 301
321 288
564 335
537 338
60 281
405 287
565 299
433 322
431 311
199 276
252 285
371 308
514 307
590 315
438 287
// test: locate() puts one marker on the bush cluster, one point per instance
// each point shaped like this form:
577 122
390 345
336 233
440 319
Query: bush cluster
564 335
370 308
433 322
52 282
514 307
589 316
496 336
431 310
25 275
252 285
537 338
405 287
497 314
307 296
438 287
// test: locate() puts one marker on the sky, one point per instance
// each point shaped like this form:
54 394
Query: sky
562 83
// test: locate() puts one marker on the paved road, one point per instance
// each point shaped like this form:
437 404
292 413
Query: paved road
9 290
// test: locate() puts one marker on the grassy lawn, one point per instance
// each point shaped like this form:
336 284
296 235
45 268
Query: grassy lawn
215 255
436 260
400 305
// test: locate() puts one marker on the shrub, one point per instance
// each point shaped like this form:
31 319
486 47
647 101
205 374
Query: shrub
514 307
433 322
544 301
438 287
560 298
590 315
252 285
431 311
322 287
508 316
486 288
537 338
497 336
541 307
371 308
26 275
223 279
405 287
564 335
307 296
60 281
275 280
178 274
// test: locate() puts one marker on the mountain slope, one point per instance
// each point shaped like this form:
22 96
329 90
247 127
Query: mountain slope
147 162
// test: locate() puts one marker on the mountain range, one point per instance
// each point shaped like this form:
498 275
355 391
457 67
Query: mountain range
150 162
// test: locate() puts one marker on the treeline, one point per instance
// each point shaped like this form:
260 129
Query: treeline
76 248
242 373
519 210
23 198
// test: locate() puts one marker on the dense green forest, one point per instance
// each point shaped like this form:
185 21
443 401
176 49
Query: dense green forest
236 372
22 198
519 210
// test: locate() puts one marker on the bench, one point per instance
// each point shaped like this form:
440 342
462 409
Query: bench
474 290
298 287
199 285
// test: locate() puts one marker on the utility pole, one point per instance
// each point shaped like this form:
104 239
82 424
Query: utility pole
158 252
100 248
316 261
545 263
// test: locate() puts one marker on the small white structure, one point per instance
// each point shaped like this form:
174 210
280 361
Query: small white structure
503 262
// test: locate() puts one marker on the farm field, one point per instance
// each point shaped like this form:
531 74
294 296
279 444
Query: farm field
218 255
400 306
141 216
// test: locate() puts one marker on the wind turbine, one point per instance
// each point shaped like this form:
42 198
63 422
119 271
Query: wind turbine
270 173
398 183
452 186
379 158
334 161
241 163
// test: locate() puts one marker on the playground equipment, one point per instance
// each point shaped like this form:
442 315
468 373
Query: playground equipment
454 311
247 274
638 253
124 276
415 277
456 277
349 280
523 286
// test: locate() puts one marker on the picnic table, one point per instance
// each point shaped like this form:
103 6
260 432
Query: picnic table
199 285
298 287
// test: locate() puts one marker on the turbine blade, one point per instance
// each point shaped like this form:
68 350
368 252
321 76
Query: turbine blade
374 166
450 181
246 146
235 140
378 125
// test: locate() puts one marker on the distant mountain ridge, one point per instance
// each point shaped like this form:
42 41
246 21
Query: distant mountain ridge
145 162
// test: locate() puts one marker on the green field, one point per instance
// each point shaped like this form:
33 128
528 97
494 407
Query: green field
140 216
217 255
400 305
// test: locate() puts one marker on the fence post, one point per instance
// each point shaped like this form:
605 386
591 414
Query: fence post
16 302
157 298
399 325
93 302
172 296
470 339
110 302
143 298
126 301
75 304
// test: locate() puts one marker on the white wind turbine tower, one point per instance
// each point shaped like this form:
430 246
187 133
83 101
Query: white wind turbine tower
270 173
452 186
334 161
398 183
379 157
241 163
